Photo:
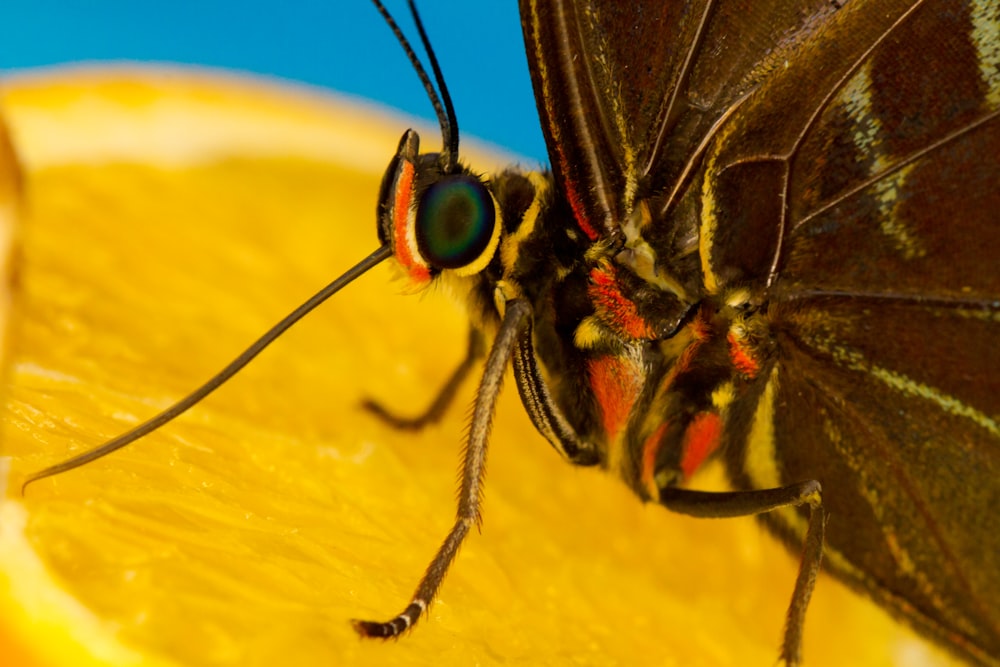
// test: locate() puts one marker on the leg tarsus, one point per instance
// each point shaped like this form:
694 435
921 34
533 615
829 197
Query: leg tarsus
439 406
805 582
706 504
473 469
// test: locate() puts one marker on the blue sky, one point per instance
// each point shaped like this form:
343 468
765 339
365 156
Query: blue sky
337 44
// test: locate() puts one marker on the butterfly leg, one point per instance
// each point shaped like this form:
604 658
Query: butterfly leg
473 469
436 410
743 503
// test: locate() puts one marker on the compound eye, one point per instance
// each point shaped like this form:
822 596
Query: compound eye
455 220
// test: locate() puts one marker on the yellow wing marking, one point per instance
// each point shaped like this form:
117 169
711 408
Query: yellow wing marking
986 38
856 100
761 466
855 361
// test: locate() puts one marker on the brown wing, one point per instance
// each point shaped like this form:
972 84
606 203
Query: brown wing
627 91
878 150
840 163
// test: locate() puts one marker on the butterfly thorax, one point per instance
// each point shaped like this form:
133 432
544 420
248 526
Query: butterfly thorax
618 342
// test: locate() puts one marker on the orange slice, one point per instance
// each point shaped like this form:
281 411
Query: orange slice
172 216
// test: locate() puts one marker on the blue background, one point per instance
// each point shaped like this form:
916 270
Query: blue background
337 44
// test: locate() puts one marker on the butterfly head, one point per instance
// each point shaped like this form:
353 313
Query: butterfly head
435 217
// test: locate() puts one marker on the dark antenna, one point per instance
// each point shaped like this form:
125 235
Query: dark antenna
234 366
446 113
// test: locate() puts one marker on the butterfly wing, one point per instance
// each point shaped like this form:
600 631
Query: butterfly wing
886 310
626 93
841 164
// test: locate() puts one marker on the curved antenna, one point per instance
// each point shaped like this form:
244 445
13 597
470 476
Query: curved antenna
234 366
446 112
451 138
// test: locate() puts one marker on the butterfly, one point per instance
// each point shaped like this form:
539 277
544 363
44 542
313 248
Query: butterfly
768 238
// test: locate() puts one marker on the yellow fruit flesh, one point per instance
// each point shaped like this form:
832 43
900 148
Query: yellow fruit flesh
253 528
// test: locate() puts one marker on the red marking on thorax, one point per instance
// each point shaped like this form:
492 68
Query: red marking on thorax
701 328
650 450
417 271
614 307
616 383
700 333
742 359
701 439
573 196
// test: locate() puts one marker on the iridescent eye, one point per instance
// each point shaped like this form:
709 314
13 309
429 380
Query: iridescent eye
455 220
